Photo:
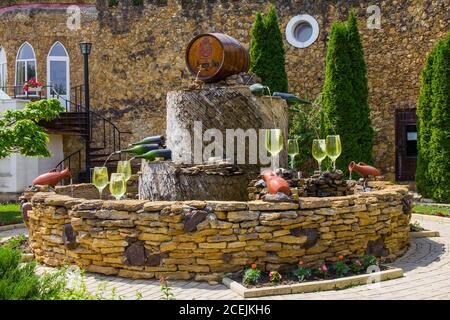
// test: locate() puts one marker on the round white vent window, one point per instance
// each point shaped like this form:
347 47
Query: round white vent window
302 31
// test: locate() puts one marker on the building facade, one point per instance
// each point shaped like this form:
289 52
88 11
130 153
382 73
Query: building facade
138 56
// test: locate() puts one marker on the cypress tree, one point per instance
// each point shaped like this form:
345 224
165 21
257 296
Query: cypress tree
424 117
267 53
360 85
345 94
256 45
439 165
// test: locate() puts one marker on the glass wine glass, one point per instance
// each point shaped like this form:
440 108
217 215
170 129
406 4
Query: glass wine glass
319 151
274 142
334 149
100 178
125 168
293 150
117 185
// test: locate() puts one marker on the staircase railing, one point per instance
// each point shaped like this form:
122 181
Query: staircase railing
108 142
61 166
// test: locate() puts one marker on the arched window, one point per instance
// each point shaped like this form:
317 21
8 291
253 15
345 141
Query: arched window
25 65
58 71
3 70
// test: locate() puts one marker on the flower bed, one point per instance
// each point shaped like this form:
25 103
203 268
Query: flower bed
204 240
438 211
254 278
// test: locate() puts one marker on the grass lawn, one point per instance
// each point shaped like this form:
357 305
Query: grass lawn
10 214
433 211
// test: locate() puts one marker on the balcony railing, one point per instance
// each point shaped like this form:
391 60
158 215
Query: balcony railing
17 92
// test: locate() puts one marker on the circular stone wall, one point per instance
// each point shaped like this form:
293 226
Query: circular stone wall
204 240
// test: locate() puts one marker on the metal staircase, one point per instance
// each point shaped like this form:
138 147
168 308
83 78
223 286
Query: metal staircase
102 137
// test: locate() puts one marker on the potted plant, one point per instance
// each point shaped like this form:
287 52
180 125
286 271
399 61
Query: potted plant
32 85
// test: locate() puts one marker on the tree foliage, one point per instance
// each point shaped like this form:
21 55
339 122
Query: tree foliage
20 131
439 148
346 111
424 117
267 52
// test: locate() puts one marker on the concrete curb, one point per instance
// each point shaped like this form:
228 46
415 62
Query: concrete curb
314 286
430 218
12 227
425 234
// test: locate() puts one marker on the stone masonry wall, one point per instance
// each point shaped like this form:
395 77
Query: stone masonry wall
203 240
138 52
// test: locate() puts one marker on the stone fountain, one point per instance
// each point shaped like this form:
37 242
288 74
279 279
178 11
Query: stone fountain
230 107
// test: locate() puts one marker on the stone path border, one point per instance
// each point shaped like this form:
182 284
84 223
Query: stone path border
417 216
425 234
313 286
12 226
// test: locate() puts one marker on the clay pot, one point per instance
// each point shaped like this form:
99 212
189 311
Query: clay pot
275 183
51 178
364 169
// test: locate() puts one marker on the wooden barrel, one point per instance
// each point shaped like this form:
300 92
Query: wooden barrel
216 56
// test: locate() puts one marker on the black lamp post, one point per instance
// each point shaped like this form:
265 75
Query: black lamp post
85 48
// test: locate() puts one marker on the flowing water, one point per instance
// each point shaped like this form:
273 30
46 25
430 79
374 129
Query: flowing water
109 157
71 186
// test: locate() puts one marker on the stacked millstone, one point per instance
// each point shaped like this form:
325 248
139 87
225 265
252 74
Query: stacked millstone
222 169
328 184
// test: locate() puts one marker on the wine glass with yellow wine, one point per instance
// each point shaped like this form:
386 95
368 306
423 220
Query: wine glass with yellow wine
319 151
125 168
274 142
293 150
117 185
334 149
100 178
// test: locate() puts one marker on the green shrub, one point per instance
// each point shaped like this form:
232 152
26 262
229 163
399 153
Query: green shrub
305 126
17 282
275 277
302 273
439 148
341 269
251 275
267 54
345 95
424 117
368 261
356 266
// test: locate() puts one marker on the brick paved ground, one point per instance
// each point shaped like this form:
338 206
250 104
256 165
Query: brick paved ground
426 266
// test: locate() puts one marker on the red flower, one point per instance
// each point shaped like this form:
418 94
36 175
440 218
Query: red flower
440 214
254 266
301 262
341 257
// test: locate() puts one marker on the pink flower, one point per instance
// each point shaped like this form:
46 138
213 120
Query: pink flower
324 268
358 262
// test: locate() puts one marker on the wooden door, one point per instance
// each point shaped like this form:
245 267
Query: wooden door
406 144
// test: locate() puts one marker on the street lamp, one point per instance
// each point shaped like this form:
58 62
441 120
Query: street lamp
85 48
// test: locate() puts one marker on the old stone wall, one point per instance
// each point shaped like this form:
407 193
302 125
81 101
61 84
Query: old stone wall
138 52
204 240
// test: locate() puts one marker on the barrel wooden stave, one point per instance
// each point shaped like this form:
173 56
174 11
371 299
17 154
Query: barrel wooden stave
219 55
